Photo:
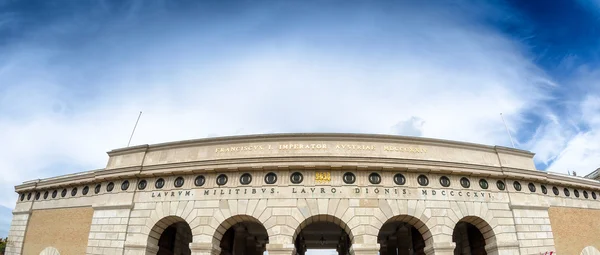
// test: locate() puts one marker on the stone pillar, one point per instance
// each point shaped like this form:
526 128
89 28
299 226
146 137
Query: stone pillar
391 246
364 249
239 241
404 240
204 249
280 249
440 249
383 248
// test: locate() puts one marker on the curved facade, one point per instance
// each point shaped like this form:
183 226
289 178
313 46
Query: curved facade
287 193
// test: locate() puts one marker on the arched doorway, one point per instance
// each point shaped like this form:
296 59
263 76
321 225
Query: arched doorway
171 235
323 232
242 235
469 238
402 235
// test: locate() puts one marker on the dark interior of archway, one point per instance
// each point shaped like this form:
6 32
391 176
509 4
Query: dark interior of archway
400 238
245 238
468 239
323 235
175 240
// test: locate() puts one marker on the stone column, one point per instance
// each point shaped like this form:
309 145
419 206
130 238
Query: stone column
383 248
280 249
239 241
204 249
404 240
440 249
391 246
364 249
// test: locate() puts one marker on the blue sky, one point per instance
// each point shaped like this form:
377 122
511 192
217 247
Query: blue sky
75 74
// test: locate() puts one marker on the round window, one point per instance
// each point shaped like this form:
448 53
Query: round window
179 182
54 193
544 189
142 184
199 181
593 195
85 190
125 185
245 179
296 178
531 187
399 179
555 191
74 192
483 184
97 188
423 180
585 194
46 195
567 192
500 185
465 183
349 178
37 195
374 178
576 192
271 178
517 186
445 181
160 183
63 193
22 196
221 179
29 196
110 186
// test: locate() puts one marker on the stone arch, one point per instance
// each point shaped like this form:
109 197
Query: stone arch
414 212
179 209
421 226
486 230
590 250
50 251
231 221
323 218
159 227
484 227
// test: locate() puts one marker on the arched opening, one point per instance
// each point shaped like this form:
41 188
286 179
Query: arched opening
170 236
242 235
322 233
50 251
590 250
403 235
471 234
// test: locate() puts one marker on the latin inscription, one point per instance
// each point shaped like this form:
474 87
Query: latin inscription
319 147
348 192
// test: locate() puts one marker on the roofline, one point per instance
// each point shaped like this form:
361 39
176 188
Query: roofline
244 138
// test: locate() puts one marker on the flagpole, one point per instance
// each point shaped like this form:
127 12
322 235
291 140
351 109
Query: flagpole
507 131
132 132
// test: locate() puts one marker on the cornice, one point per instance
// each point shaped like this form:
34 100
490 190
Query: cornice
128 150
513 151
310 162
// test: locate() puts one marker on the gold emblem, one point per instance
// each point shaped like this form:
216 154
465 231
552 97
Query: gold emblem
322 177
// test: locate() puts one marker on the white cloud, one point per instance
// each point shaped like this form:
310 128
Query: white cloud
582 151
448 78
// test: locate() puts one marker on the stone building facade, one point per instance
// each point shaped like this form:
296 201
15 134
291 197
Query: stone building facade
287 193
